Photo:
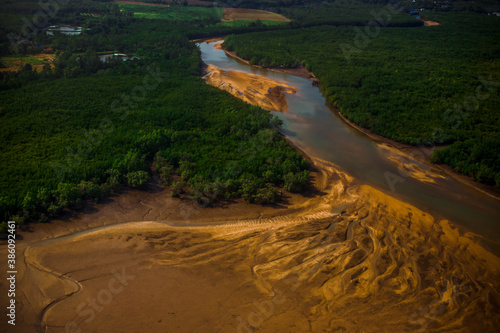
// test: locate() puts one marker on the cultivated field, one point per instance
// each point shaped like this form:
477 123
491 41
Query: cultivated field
167 3
171 13
235 14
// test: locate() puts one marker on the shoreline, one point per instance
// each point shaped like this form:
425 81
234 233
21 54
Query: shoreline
254 89
405 148
300 71
402 147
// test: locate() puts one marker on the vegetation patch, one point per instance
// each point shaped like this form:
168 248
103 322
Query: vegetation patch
172 13
28 62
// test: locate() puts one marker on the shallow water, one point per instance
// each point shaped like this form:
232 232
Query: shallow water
318 131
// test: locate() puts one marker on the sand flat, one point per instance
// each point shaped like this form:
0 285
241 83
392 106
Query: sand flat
254 89
348 259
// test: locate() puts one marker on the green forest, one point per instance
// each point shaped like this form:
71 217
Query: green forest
432 86
81 129
84 128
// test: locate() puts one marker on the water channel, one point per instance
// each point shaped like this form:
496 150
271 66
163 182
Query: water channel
316 129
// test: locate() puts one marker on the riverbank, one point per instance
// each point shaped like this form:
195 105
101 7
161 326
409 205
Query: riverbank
145 261
422 155
301 71
147 211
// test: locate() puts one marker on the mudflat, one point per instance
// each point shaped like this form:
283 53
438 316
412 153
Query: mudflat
254 89
311 264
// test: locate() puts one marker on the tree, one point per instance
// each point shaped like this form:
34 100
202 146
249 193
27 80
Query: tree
114 179
296 182
276 123
29 205
90 190
177 189
137 178
267 195
67 195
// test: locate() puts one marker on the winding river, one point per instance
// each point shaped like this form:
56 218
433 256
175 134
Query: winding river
313 127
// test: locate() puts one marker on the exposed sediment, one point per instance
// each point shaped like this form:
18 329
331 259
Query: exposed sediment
349 259
256 90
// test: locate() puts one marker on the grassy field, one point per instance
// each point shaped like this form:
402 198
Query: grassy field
173 13
16 62
230 17
236 14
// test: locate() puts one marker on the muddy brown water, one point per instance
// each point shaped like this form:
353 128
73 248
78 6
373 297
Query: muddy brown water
316 129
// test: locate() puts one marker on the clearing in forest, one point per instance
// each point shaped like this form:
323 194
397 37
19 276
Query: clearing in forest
141 3
17 62
235 14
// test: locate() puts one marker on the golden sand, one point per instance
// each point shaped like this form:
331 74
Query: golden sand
430 23
256 90
408 165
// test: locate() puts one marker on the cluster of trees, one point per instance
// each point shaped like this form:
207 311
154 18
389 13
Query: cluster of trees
478 158
421 86
278 57
349 12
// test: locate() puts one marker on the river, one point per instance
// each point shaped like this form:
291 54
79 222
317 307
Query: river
317 130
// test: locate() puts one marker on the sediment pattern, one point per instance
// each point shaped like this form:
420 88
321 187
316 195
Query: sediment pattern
356 260
256 90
